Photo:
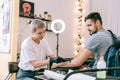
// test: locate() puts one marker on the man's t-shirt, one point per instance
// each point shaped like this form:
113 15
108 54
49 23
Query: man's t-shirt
98 43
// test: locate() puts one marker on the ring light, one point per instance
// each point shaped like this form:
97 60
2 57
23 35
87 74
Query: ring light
57 21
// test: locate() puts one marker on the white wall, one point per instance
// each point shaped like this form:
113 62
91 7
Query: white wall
59 9
110 13
64 9
12 55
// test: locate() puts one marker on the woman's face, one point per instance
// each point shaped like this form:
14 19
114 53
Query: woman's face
39 33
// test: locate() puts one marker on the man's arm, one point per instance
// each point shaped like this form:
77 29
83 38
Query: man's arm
78 61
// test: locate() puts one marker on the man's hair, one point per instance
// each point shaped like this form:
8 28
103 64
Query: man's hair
36 23
94 16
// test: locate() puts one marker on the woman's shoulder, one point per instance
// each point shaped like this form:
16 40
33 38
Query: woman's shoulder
27 41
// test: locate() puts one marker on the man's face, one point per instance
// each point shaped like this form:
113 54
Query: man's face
39 33
91 26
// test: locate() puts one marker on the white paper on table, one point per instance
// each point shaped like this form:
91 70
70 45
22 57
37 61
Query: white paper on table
80 76
53 75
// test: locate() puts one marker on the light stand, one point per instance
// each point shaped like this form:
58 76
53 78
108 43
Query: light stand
57 34
57 48
57 31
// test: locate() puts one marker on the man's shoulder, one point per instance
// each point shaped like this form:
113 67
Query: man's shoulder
100 34
95 36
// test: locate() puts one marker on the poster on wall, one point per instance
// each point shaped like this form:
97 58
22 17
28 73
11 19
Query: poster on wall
5 12
26 9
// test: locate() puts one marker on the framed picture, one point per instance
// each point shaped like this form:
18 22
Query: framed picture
26 9
5 22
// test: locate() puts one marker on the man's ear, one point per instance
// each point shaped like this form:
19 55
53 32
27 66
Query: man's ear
97 22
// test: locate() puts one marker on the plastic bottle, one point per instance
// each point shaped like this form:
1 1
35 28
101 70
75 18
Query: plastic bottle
45 15
101 64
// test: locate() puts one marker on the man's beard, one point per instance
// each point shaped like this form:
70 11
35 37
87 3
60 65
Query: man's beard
91 33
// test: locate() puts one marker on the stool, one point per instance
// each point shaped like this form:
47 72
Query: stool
13 68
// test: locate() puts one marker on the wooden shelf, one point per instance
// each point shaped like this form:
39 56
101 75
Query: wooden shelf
45 19
49 30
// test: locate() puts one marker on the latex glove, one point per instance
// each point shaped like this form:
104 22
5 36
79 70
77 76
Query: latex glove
58 60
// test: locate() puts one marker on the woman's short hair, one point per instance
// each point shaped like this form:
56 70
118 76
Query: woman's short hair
36 23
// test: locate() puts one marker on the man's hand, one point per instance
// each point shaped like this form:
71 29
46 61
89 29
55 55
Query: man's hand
56 65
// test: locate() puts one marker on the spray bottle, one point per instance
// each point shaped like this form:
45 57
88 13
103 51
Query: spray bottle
101 64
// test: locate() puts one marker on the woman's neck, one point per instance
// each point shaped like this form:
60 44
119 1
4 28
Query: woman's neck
36 40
